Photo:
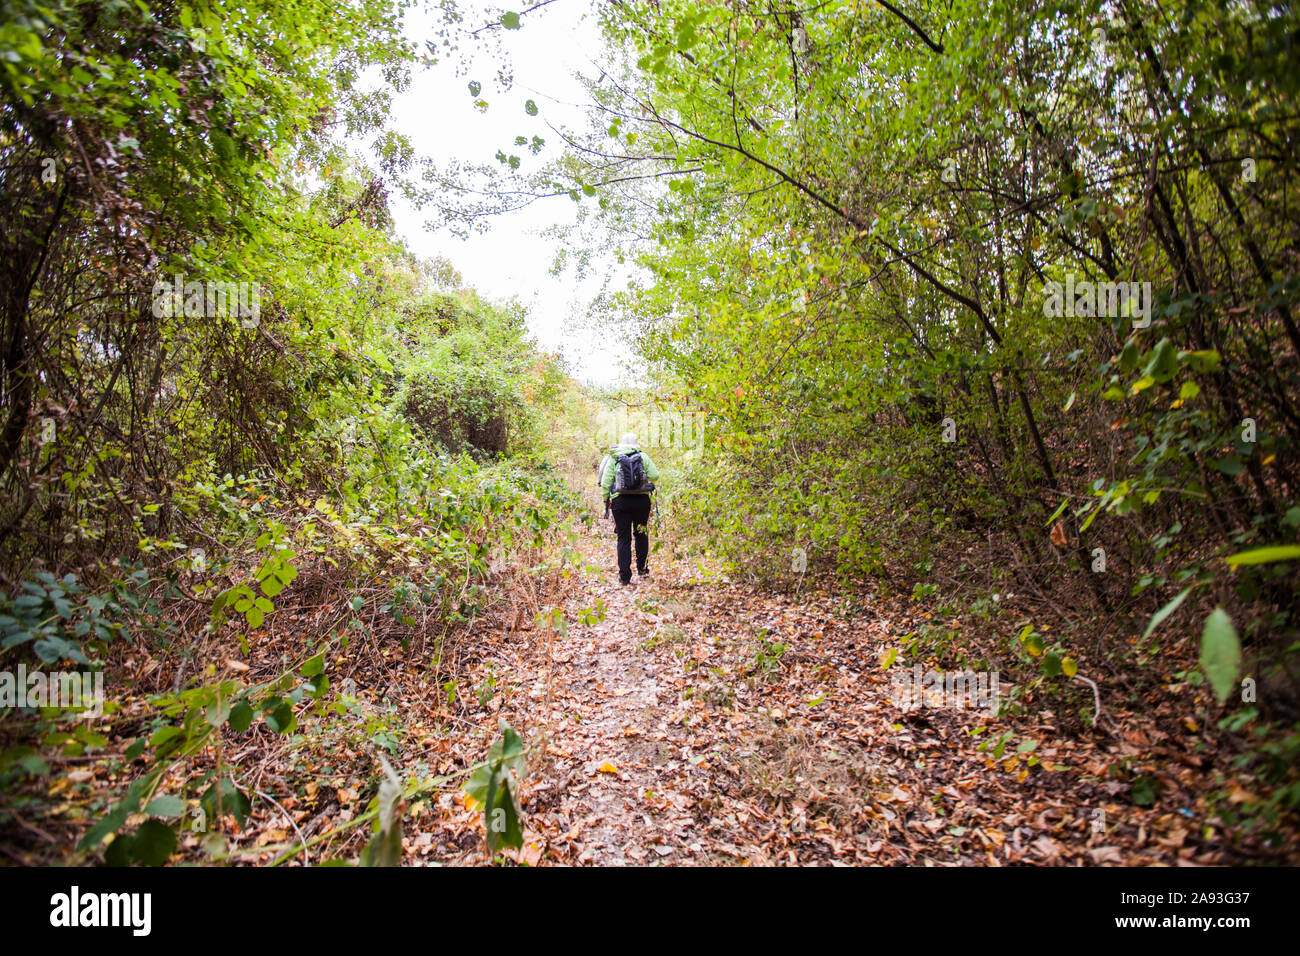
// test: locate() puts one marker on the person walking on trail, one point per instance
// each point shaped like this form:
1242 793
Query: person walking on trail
628 482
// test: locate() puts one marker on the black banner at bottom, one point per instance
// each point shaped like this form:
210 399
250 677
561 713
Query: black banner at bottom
185 905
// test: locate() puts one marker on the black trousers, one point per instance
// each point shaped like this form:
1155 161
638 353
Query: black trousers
631 515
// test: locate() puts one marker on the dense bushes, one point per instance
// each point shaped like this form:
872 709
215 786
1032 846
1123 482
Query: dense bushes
211 483
860 262
476 387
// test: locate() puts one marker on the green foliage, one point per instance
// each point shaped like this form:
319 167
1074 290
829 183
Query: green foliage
1220 653
767 657
852 250
385 846
185 724
494 783
469 379
60 622
846 227
365 426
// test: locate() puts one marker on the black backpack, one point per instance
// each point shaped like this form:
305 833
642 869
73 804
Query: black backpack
629 478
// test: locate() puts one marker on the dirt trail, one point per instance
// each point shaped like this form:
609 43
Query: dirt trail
670 738
623 760
707 722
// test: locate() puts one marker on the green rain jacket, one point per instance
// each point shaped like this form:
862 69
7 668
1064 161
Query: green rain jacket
607 478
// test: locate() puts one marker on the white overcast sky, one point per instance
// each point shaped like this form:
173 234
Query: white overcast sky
437 113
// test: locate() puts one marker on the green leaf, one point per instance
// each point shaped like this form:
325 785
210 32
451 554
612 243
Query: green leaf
385 847
165 739
1164 362
119 851
217 712
500 816
1158 618
1057 513
241 715
168 805
111 822
1128 356
510 21
281 719
1277 552
530 107
220 601
315 665
1142 384
233 801
476 786
1220 653
509 749
1205 360
489 784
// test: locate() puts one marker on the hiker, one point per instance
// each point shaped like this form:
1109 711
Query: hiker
628 482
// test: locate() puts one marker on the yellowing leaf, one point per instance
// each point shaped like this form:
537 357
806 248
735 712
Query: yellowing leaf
608 767
1145 382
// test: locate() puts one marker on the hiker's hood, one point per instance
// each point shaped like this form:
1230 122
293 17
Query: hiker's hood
624 450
